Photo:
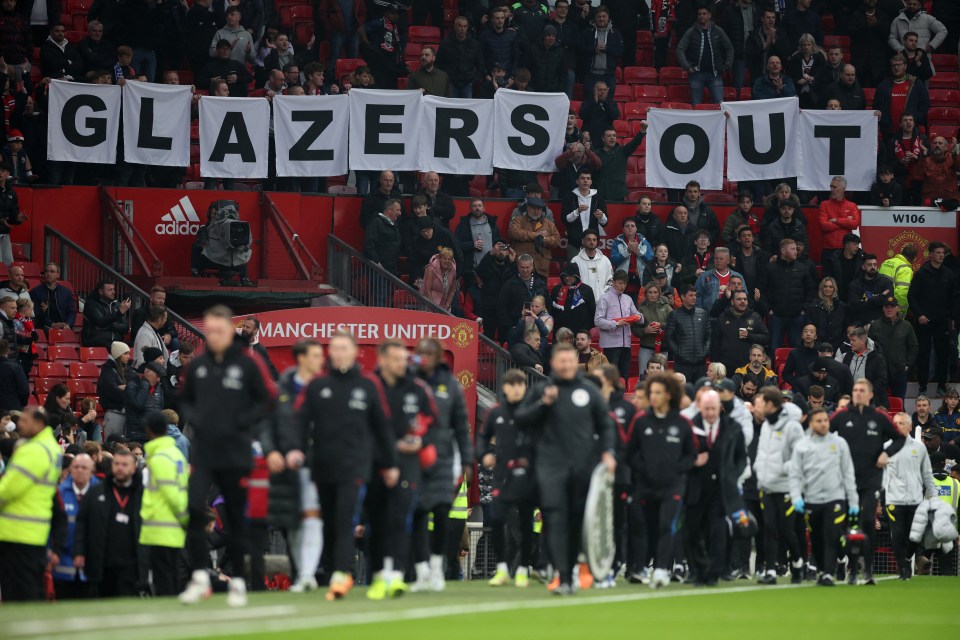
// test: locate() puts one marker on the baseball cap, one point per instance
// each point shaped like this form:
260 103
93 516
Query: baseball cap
704 382
932 431
659 272
890 301
156 367
726 384
819 365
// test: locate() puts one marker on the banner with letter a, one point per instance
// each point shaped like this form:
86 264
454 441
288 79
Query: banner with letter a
684 145
310 135
762 139
83 121
838 143
529 134
234 137
153 117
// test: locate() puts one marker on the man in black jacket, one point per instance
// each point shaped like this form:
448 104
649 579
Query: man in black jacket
106 543
516 292
14 388
223 67
789 288
143 394
844 266
688 335
439 203
59 58
867 293
250 331
461 58
227 392
866 430
736 330
570 416
819 376
104 321
376 201
866 361
111 386
477 235
932 299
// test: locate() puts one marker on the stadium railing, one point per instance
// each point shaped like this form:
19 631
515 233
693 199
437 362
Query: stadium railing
83 271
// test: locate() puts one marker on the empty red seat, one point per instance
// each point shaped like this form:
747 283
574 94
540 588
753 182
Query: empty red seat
82 387
633 111
673 75
424 35
622 127
635 165
944 97
676 105
640 75
51 370
707 106
678 93
650 93
635 181
346 66
43 385
843 41
719 198
84 370
623 93
60 336
944 61
97 355
304 12
60 353
943 115
653 194
780 357
635 127
302 32
944 80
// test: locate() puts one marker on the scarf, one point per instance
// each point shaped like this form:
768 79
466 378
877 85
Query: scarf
575 301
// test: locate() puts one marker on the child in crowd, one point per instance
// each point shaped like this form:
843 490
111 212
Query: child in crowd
886 192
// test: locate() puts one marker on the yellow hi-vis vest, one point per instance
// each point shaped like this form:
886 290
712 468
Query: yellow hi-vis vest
460 510
537 521
164 507
901 272
948 490
27 490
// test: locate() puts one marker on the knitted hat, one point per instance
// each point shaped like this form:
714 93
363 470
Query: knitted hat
151 353
117 349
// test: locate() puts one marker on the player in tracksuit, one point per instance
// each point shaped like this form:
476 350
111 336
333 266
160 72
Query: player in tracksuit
566 415
509 452
341 418
412 412
661 452
907 481
866 430
822 485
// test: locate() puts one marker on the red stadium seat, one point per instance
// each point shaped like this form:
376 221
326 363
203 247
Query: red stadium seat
52 370
78 6
301 12
623 93
843 41
43 385
678 93
780 357
944 97
894 404
635 126
707 106
346 66
676 105
644 38
82 388
424 35
944 80
943 115
673 75
653 194
944 61
97 355
60 353
302 32
635 181
633 111
30 269
650 93
84 370
622 127
412 52
62 336
640 75
719 198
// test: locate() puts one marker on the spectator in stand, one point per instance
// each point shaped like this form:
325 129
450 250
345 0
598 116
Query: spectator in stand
766 41
755 373
680 234
240 41
932 299
528 352
735 332
569 37
800 20
896 338
599 111
789 288
15 168
250 335
123 71
846 90
656 309
499 45
569 164
829 74
869 28
460 56
16 42
104 317
14 388
803 66
820 389
583 209
54 301
8 332
148 336
572 303
846 265
886 191
919 63
144 393
223 67
16 284
939 173
430 80
199 30
900 94
158 298
751 261
740 20
534 316
439 204
701 214
381 242
649 225
535 235
788 225
291 76
493 271
545 60
10 214
838 217
602 48
612 181
688 335
614 310
828 313
281 54
930 32
867 293
589 358
516 293
774 83
381 45
477 234
595 267
95 51
440 283
665 271
699 262
705 53
899 269
865 361
373 203
110 389
59 58
340 27
781 193
712 283
631 252
739 217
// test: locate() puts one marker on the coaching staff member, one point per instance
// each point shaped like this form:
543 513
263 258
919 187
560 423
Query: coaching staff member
566 413
227 391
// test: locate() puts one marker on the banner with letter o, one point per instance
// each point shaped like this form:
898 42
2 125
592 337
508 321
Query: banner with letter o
684 145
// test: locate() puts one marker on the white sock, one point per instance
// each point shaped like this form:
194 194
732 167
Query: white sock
423 571
521 571
202 577
436 564
388 567
502 567
311 546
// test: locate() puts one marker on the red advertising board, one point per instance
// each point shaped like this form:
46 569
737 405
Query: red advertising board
884 231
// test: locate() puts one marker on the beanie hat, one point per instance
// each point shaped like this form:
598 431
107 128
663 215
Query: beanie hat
117 349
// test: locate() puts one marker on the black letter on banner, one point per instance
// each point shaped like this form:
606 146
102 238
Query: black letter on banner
446 133
233 122
541 138
668 148
145 137
68 121
301 150
748 139
838 136
373 128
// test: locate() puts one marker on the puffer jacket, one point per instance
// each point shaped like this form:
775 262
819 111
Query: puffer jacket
934 525
929 30
789 288
900 271
688 335
775 449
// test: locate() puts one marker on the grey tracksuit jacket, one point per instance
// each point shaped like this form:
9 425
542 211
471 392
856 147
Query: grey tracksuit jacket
908 478
821 470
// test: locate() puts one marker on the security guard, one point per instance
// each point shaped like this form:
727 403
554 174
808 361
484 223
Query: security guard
899 268
27 491
164 507
948 487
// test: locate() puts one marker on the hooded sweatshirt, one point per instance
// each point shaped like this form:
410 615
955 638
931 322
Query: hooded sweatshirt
595 272
779 434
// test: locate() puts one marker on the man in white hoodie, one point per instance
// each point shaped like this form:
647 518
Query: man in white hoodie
595 269
583 209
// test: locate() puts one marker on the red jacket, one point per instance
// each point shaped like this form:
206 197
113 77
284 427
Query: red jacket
940 178
847 216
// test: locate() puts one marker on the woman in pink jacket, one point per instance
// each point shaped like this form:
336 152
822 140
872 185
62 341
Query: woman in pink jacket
439 283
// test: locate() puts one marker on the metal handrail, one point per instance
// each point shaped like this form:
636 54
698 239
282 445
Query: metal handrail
290 239
368 284
117 227
83 271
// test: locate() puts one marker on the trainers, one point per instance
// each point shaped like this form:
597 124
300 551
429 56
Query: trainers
635 577
378 588
826 580
768 578
396 587
585 578
679 573
340 585
197 589
500 579
237 593
868 580
904 574
563 590
422 582
554 584
304 585
661 578
521 581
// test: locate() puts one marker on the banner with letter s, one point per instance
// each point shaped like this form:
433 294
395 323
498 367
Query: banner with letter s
529 135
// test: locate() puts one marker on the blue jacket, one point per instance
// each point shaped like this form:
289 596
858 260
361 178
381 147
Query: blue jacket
179 440
763 89
500 48
708 288
620 256
61 298
71 506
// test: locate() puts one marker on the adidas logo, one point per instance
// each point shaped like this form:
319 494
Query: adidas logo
181 221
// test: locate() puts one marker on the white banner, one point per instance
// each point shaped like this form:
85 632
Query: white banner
153 131
83 121
384 125
684 145
762 137
234 137
310 135
529 134
838 143
455 136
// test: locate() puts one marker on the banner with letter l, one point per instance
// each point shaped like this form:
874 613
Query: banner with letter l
153 119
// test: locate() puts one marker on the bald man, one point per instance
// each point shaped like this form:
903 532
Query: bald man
712 492
69 582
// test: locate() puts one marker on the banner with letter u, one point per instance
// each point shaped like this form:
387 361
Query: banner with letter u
762 139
